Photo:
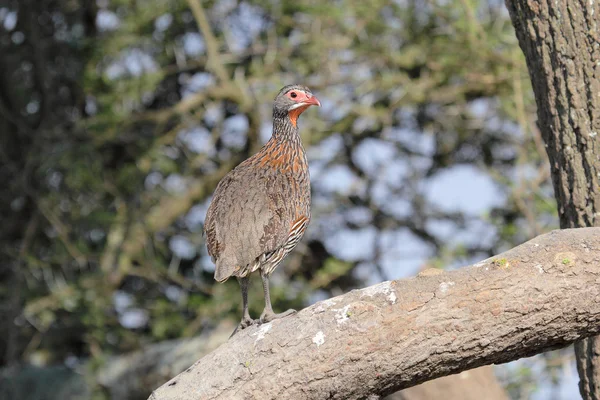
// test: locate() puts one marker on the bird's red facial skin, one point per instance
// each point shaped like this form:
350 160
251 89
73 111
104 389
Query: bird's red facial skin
297 95
303 98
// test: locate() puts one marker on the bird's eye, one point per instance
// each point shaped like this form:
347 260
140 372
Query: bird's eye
293 95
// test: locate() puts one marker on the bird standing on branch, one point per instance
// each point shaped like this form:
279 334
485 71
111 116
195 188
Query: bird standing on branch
260 209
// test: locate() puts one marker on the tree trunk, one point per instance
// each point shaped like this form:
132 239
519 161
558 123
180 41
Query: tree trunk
561 42
372 342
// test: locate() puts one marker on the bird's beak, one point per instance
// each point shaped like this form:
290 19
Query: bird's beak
312 101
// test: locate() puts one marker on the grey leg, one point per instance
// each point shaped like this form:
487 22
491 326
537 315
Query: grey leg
246 319
268 314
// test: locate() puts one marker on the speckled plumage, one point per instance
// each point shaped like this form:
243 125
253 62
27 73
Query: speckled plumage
256 205
260 209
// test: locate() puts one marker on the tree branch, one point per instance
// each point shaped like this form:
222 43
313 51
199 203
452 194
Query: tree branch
212 45
542 295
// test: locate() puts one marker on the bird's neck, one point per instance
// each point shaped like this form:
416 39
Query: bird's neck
284 151
284 130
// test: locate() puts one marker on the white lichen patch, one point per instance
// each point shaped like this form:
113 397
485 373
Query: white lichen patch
319 338
392 297
328 303
324 305
384 288
444 286
262 331
342 314
539 268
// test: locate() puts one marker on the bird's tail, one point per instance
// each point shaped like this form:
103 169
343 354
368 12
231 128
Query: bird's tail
220 277
223 271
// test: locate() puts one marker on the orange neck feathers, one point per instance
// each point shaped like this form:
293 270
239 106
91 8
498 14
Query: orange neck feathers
294 114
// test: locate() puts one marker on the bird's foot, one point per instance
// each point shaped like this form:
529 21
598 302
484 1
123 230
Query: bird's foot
268 316
244 323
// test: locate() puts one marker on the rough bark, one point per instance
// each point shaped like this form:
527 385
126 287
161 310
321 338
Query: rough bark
561 42
542 295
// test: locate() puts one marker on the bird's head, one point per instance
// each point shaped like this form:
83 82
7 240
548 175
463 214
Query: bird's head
292 100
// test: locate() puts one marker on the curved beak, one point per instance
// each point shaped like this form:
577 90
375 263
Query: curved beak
312 101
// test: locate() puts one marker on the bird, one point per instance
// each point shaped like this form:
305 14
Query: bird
261 209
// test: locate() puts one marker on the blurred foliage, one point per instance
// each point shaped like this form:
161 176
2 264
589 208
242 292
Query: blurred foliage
120 117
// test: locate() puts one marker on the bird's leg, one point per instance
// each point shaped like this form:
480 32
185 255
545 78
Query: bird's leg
268 314
246 319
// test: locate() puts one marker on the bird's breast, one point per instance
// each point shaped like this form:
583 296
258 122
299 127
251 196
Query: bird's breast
283 157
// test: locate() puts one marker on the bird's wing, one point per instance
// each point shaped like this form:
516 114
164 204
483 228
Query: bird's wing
247 217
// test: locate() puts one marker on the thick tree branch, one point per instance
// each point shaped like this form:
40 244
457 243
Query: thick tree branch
538 296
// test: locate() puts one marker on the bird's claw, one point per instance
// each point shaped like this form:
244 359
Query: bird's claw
244 323
270 316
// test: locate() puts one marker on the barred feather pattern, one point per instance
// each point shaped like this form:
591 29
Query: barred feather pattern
269 261
261 209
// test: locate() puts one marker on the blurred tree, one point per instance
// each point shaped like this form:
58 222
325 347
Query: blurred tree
119 118
41 100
